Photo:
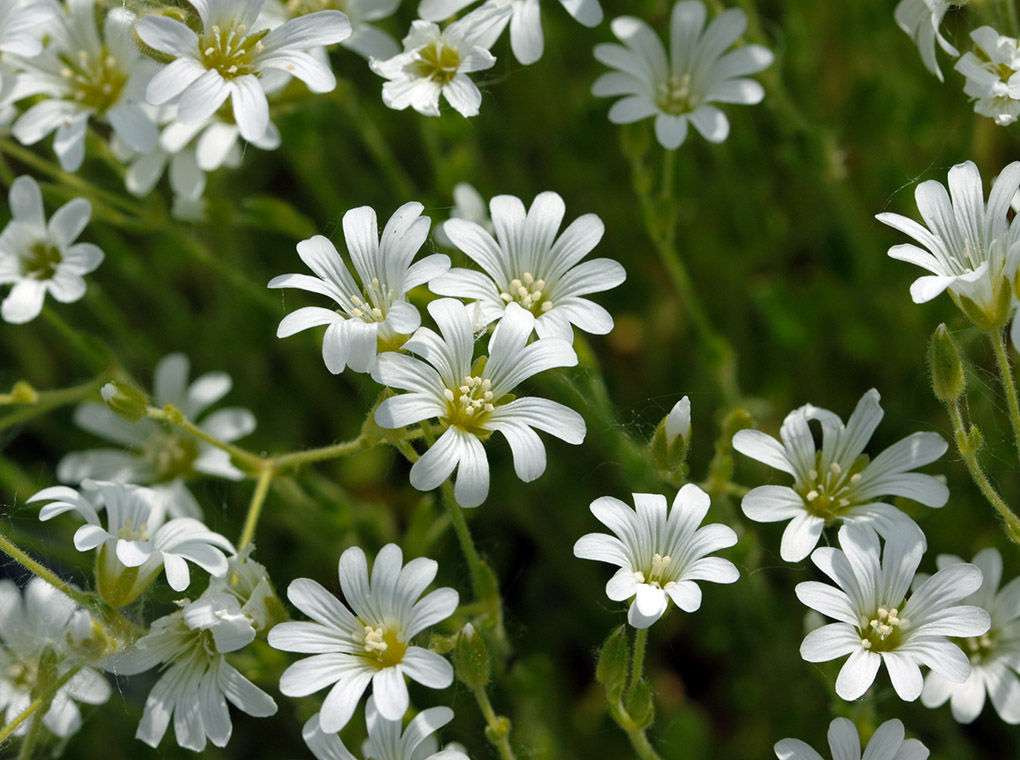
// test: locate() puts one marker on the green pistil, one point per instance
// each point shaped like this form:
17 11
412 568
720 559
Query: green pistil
96 81
171 455
42 261
384 646
675 96
232 52
437 62
883 632
829 492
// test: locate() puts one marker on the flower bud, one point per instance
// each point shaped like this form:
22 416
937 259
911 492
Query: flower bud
471 658
124 400
948 380
672 438
23 393
611 669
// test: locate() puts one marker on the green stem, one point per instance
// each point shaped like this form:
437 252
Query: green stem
255 507
642 747
95 358
498 726
467 544
637 663
668 171
28 743
335 451
347 97
48 400
8 547
174 416
39 702
1008 384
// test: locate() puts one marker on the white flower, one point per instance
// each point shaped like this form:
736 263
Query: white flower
41 257
681 88
160 454
197 681
878 623
83 75
994 656
838 482
525 25
969 248
136 543
921 19
471 399
386 740
437 62
526 264
887 743
231 54
678 421
371 644
365 40
468 204
29 628
375 314
660 554
23 23
989 69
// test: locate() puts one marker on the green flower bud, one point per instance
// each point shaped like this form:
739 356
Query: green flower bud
611 669
672 438
948 380
125 400
23 393
471 658
640 707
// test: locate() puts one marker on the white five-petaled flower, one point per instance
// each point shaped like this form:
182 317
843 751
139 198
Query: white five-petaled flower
136 543
921 20
386 739
370 644
838 482
526 264
42 622
197 681
994 656
437 62
989 69
471 399
878 623
231 54
681 88
660 552
887 743
526 38
366 40
81 74
374 314
41 257
970 248
159 454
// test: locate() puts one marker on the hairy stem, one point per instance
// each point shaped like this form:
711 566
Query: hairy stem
497 726
38 703
1008 384
258 498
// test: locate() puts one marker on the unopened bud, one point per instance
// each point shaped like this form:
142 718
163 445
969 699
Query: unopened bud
948 380
471 658
23 393
611 669
124 400
672 438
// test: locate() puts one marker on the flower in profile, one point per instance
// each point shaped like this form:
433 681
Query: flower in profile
36 644
878 623
437 62
468 204
839 482
921 20
40 257
136 544
681 88
994 656
660 552
970 249
159 454
366 40
887 743
526 264
386 739
371 644
989 68
197 680
472 399
375 314
229 56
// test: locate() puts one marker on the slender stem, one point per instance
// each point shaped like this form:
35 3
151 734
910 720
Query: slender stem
1008 384
48 400
174 416
642 747
39 702
28 743
8 547
1014 22
95 358
637 663
255 507
343 449
498 728
467 543
668 171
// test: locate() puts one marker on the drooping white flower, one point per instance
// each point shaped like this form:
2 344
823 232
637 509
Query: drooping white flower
526 264
887 743
136 544
437 62
386 739
681 88
366 40
159 454
370 644
994 656
989 68
921 20
31 627
839 482
374 314
660 553
83 75
526 38
468 204
197 681
969 248
40 257
471 400
231 54
878 623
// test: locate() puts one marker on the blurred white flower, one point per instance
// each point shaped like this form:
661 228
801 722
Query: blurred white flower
681 88
372 644
366 40
23 24
887 743
40 257
989 69
660 552
921 20
468 204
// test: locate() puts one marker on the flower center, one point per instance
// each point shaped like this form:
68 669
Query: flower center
657 573
384 645
977 648
171 455
372 304
438 62
22 674
527 291
42 261
231 52
675 96
828 492
96 81
470 403
128 532
883 632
